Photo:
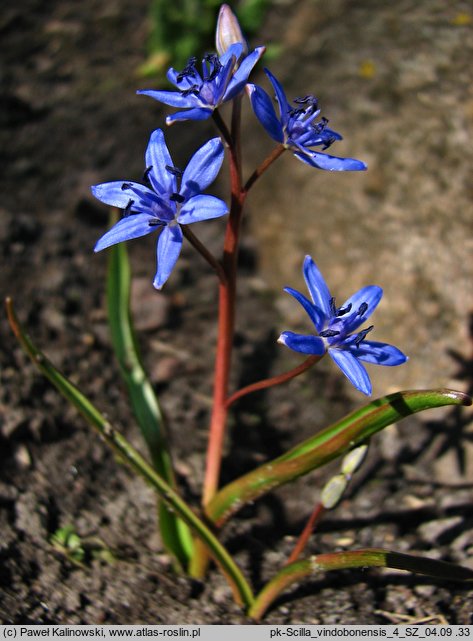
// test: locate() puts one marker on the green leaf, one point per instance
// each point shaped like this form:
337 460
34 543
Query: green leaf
176 536
133 459
295 572
326 445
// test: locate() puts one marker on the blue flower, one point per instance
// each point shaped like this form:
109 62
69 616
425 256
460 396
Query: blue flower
200 94
337 329
296 127
173 198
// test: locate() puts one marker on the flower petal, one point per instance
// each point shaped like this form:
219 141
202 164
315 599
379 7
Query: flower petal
329 163
203 168
172 98
378 353
365 301
234 51
317 287
197 113
240 77
168 250
315 314
221 82
280 96
353 369
113 194
306 344
158 157
132 226
186 81
201 207
264 111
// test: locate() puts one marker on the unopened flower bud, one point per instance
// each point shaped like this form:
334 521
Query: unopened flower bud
333 491
228 31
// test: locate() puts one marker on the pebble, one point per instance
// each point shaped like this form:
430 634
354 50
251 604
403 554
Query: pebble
433 531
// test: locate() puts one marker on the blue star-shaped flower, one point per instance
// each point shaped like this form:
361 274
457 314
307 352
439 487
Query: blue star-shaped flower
336 328
173 198
296 127
200 94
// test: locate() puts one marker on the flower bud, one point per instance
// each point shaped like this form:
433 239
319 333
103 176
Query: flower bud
333 491
228 31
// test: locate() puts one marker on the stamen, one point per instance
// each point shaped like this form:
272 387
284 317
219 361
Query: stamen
362 309
362 335
125 186
146 174
341 311
154 222
320 126
309 99
191 90
189 69
329 333
127 210
177 198
174 171
333 309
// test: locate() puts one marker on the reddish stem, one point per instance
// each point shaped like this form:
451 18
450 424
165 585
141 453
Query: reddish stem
306 533
274 380
226 319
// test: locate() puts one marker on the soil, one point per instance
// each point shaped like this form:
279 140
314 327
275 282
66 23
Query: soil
70 118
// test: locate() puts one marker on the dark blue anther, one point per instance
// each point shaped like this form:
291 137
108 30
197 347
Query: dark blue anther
127 210
146 174
125 186
341 311
329 333
362 309
174 171
191 90
362 335
154 222
177 198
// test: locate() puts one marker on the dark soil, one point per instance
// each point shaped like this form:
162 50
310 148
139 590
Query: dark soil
70 119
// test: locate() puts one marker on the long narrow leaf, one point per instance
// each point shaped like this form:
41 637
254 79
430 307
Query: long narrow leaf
241 589
176 536
368 558
334 441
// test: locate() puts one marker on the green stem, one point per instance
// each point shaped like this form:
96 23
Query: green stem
242 592
367 558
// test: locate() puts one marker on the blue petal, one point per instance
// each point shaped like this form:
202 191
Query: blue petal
235 50
221 83
203 168
378 353
113 194
353 369
280 96
329 163
186 81
264 111
201 207
157 157
198 113
302 343
315 314
240 77
317 287
172 98
169 248
368 298
132 226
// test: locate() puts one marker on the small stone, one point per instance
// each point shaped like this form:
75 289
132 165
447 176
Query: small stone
433 531
150 307
22 457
